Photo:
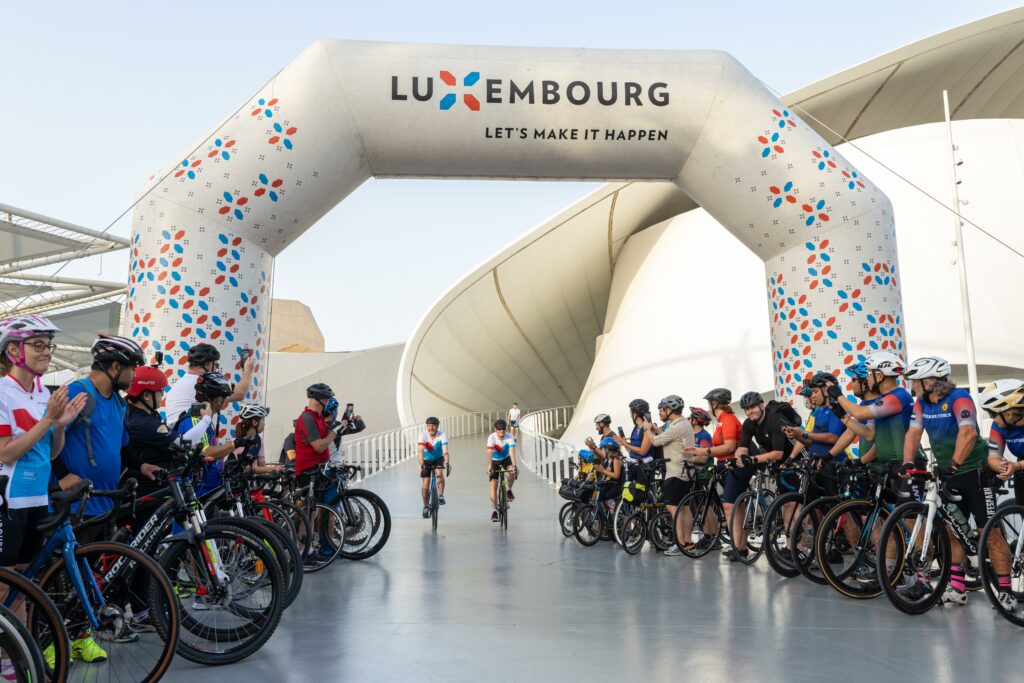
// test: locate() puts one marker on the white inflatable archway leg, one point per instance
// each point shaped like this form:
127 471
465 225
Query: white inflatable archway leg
205 235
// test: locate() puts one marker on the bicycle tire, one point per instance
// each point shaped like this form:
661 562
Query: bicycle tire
911 563
215 645
623 510
277 516
286 552
807 522
44 622
634 533
1011 534
565 515
660 531
776 534
588 526
117 593
380 525
300 522
21 652
434 505
702 504
331 531
754 501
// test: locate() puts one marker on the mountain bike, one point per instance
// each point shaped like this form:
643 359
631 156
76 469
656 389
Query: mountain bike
592 519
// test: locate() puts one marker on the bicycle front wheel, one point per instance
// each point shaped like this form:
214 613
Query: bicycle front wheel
803 531
367 522
565 518
44 621
121 582
588 525
923 553
846 548
706 523
1005 530
778 519
753 508
20 651
634 533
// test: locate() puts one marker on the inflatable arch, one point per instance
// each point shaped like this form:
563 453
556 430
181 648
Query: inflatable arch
208 227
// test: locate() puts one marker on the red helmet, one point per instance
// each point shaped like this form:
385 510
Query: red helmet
147 378
700 416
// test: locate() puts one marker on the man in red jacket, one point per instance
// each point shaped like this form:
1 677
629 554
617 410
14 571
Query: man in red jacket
312 436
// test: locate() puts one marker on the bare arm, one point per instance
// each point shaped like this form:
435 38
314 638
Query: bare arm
242 388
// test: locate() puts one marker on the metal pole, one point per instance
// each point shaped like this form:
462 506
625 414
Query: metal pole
965 300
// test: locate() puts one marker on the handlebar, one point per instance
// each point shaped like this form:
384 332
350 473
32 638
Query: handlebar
61 502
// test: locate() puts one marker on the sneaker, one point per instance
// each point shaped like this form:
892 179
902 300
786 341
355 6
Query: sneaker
426 511
734 555
326 552
953 596
916 592
204 602
511 496
494 515
440 499
1007 600
7 671
141 623
864 572
673 550
87 650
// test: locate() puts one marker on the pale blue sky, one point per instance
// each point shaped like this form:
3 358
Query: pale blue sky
97 96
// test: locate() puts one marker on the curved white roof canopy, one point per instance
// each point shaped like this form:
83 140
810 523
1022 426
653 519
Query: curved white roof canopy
524 325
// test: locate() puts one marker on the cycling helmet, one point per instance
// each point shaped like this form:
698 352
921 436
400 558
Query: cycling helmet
110 349
147 378
609 443
587 456
331 407
1002 395
639 406
672 403
820 380
805 391
700 416
884 362
603 418
500 424
858 370
203 353
319 391
252 411
929 367
433 421
211 385
750 399
721 396
22 327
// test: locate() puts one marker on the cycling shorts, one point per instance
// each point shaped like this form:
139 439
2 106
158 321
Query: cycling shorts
19 540
428 465
736 482
674 490
500 465
975 499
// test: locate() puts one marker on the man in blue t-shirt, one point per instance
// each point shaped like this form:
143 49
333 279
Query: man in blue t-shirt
92 443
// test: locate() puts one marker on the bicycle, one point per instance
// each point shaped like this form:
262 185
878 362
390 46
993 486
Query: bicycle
433 497
592 518
365 517
704 505
42 619
98 587
804 528
502 497
567 513
1009 522
643 485
753 505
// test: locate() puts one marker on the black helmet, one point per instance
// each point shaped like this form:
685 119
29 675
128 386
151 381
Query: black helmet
110 349
603 418
319 391
500 424
750 399
201 354
211 385
672 403
721 396
639 406
433 421
822 380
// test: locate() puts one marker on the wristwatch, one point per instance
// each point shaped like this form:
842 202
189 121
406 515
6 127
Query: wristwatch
708 449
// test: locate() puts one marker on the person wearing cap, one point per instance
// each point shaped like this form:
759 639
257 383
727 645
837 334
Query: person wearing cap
674 439
203 358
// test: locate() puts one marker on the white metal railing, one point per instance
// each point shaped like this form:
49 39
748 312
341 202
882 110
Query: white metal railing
382 451
539 451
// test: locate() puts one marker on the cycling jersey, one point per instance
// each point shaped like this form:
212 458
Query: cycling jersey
825 422
943 420
1006 439
729 428
636 439
433 450
180 396
767 434
892 413
306 457
702 439
148 442
108 435
214 468
501 448
864 445
29 475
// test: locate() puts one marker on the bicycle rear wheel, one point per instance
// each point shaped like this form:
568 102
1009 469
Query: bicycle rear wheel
846 548
286 552
623 511
707 523
329 541
367 523
44 621
129 583
803 532
565 517
634 533
660 531
1008 522
925 572
588 525
753 507
20 651
778 518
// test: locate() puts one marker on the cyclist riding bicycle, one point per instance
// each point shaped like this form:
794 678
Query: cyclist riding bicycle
948 415
501 448
433 452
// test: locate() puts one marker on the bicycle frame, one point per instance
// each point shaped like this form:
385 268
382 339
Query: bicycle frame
63 541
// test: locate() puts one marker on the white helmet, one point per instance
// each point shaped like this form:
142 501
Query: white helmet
929 367
1002 395
22 327
252 411
885 362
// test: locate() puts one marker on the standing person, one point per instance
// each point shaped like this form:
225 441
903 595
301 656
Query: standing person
827 427
312 436
862 431
348 424
252 420
202 358
501 447
674 440
640 440
948 415
699 420
433 452
32 424
211 393
513 419
287 456
93 442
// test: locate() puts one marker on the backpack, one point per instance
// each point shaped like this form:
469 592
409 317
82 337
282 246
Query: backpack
784 411
85 417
